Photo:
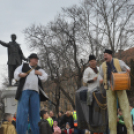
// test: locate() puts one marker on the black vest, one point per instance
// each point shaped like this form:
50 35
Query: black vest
21 83
111 68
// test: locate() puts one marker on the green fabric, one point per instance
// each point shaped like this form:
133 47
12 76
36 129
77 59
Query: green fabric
121 121
50 121
74 115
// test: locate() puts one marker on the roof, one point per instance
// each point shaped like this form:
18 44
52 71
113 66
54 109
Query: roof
126 55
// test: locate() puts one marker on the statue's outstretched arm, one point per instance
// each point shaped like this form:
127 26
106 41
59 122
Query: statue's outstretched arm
24 58
4 44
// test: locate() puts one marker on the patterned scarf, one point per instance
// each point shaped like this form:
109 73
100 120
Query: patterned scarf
95 70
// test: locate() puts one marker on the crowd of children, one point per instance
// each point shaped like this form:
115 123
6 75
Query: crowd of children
64 124
48 124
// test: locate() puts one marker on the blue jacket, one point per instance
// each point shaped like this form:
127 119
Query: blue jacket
132 113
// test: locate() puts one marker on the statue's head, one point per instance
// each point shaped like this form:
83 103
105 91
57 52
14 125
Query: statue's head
13 37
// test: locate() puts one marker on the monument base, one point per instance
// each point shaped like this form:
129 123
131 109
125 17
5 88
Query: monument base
8 99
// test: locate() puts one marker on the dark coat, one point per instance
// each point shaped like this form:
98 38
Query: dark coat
14 123
54 118
59 120
26 68
65 119
121 129
44 127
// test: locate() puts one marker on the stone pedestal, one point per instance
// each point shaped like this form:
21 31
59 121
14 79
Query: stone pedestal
8 100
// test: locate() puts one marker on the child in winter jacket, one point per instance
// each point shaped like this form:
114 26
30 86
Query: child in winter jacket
68 130
44 125
121 128
7 127
57 130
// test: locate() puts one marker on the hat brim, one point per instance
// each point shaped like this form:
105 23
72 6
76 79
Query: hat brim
92 59
108 52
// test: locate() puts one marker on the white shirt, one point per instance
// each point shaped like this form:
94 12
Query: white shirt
88 75
31 82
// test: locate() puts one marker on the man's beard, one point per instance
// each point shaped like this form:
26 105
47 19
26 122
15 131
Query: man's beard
105 59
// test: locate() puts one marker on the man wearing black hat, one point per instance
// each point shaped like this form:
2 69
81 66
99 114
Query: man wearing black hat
29 94
90 75
114 65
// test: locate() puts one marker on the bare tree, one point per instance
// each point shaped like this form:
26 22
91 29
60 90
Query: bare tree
4 77
109 23
65 43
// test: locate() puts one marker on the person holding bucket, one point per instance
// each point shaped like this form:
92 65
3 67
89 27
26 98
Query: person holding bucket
107 70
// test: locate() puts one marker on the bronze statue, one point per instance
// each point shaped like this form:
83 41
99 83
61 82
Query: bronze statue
15 56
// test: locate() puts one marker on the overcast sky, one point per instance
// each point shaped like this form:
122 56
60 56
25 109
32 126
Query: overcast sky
16 15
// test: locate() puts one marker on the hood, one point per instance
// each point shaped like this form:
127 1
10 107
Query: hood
7 123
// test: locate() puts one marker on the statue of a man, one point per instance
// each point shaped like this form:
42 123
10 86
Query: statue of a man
15 56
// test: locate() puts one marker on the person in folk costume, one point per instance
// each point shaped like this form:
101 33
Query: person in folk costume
108 66
29 94
90 75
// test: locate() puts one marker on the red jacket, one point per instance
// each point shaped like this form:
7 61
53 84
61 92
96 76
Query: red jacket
70 131
14 119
